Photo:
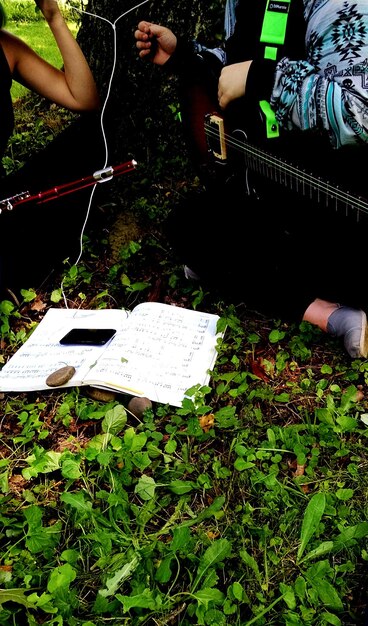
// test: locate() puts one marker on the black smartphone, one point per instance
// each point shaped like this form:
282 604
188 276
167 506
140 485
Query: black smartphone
88 336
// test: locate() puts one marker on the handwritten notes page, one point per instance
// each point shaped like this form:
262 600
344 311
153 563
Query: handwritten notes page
159 351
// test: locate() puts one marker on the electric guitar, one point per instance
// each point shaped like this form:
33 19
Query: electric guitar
217 146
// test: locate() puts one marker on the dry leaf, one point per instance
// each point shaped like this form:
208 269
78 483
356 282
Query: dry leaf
38 305
212 535
257 370
299 470
206 422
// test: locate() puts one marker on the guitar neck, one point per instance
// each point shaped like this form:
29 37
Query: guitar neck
281 172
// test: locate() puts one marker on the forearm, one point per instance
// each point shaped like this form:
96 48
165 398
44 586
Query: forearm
76 73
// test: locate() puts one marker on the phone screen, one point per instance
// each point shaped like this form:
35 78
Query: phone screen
88 336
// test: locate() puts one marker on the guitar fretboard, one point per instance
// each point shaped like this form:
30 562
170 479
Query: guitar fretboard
281 172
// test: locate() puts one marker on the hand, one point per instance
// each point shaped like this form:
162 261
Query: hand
232 82
154 41
48 8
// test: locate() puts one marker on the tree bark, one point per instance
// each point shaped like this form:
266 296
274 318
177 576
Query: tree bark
140 100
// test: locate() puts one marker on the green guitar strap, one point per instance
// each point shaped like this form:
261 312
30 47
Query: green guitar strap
273 35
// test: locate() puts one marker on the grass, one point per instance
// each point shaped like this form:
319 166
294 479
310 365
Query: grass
245 506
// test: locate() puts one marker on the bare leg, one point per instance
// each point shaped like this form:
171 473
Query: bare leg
319 311
341 321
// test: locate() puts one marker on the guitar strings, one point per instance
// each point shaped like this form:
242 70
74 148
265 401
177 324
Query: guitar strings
265 162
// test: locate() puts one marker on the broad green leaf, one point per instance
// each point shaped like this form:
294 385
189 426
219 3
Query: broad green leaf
61 576
210 579
311 520
321 569
14 595
4 482
40 539
325 416
300 587
344 494
288 595
282 397
133 441
99 442
215 554
44 602
33 515
104 457
28 295
180 486
237 590
251 563
56 295
347 424
41 462
77 501
276 335
215 617
181 537
205 596
349 397
324 548
351 534
144 600
330 618
171 446
327 594
164 573
71 469
241 464
145 488
6 307
141 460
70 556
113 583
114 420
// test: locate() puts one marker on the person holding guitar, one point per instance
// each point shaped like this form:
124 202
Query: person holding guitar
27 239
301 69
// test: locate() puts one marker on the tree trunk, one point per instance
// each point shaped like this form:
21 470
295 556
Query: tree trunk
140 100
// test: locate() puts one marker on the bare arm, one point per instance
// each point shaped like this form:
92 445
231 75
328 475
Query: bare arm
74 88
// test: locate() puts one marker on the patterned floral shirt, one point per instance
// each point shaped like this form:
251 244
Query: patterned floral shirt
329 90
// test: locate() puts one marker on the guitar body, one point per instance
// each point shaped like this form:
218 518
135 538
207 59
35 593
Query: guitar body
224 149
217 140
195 105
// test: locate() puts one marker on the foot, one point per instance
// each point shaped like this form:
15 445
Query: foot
351 325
